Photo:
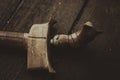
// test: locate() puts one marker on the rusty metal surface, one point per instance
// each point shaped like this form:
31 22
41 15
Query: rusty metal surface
99 60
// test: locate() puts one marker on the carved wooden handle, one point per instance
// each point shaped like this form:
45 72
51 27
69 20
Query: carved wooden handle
77 39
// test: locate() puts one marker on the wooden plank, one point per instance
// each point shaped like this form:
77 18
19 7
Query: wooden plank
7 10
27 14
100 59
66 13
40 11
103 53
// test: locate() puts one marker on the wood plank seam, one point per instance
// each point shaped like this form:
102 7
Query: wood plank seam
78 16
15 11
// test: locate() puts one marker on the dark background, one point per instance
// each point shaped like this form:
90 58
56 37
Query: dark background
100 60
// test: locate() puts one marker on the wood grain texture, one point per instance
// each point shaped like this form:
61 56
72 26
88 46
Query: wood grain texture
102 55
99 60
7 9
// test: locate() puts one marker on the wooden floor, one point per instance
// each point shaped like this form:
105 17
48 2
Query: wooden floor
100 60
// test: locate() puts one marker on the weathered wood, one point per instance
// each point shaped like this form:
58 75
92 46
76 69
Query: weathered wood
100 60
8 9
32 12
101 57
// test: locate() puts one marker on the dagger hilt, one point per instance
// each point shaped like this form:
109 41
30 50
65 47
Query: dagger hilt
37 42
